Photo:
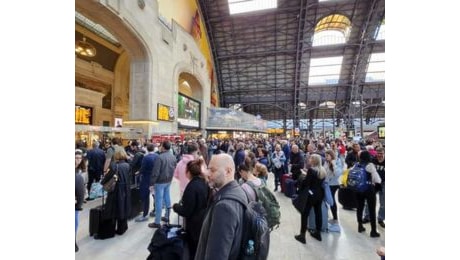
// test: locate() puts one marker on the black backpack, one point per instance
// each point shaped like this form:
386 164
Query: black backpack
255 229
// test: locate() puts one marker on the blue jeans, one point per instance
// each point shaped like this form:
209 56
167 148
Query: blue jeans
76 222
381 212
161 193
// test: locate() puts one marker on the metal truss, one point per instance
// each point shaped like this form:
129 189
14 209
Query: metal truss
262 59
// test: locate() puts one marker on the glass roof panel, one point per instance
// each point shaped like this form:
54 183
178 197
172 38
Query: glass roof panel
244 6
328 37
333 22
376 68
325 70
96 28
381 32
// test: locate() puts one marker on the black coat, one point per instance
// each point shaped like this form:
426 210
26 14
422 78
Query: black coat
312 183
193 206
297 163
118 203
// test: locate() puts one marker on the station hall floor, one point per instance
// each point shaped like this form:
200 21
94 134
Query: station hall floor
349 244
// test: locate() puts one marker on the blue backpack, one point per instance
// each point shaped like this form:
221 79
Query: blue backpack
358 178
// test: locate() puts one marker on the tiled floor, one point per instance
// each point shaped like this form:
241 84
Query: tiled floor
349 244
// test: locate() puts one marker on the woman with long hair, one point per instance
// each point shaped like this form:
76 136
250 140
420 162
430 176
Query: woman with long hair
313 183
118 204
333 172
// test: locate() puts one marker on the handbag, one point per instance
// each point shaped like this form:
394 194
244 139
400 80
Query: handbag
96 191
109 185
344 177
300 201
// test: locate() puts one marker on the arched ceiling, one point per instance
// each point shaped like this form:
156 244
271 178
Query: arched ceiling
263 58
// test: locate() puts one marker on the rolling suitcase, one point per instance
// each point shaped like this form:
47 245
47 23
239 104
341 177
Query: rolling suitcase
136 203
311 218
347 198
284 177
291 188
99 227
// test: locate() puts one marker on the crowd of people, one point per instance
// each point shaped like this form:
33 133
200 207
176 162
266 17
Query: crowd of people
213 171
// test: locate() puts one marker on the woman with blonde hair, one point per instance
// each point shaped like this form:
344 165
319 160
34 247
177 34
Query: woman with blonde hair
313 183
261 172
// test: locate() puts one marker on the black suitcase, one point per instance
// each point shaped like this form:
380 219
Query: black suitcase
136 202
99 227
290 188
347 198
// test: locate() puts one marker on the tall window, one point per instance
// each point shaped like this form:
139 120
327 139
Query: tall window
332 29
376 68
325 70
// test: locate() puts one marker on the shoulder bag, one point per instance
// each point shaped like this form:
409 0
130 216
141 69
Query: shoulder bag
109 185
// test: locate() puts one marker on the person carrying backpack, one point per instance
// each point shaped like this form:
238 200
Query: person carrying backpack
365 190
222 230
256 190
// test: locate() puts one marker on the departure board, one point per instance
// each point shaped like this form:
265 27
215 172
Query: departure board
83 115
165 113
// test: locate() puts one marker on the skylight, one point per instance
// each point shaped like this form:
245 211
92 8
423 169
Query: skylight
96 28
376 68
325 70
245 6
328 38
332 29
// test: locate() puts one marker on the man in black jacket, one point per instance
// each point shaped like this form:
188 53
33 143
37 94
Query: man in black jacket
96 159
222 229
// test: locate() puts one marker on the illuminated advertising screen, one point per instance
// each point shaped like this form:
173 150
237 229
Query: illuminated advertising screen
381 131
188 115
83 115
165 113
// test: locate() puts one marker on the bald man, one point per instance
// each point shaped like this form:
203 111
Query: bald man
222 230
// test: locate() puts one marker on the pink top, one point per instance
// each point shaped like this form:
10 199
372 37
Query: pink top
179 172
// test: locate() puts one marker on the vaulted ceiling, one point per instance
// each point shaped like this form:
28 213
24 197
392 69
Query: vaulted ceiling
262 59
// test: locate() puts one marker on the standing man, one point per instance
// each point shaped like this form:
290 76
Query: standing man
297 161
145 173
222 229
162 174
353 157
96 159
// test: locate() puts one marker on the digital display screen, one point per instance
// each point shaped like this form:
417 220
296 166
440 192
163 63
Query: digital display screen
83 115
165 113
381 131
189 112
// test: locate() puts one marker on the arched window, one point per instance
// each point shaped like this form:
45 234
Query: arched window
332 29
